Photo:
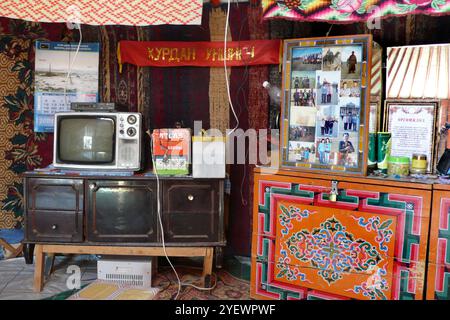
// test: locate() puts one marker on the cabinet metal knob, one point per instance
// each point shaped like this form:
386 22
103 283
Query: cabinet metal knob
190 197
54 227
334 191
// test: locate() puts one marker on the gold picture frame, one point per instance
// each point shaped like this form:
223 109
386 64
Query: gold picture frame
325 104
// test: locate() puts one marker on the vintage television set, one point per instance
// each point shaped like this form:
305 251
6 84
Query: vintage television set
89 140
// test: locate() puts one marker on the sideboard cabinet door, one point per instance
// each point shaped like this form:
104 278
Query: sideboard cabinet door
438 282
192 211
121 211
54 210
370 242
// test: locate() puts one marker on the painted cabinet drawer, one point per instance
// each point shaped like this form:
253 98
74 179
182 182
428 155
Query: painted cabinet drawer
369 244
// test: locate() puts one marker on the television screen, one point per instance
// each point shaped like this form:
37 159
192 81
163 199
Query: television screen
86 140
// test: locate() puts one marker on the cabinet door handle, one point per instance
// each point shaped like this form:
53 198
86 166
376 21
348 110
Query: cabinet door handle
190 197
334 191
54 227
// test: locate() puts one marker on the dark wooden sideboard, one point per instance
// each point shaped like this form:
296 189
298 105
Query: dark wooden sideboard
122 210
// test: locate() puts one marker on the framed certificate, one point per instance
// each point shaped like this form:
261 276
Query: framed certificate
325 106
412 125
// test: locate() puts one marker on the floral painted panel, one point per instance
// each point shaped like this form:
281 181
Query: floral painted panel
366 245
340 251
350 10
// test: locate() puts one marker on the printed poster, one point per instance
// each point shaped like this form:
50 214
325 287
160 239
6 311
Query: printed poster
55 89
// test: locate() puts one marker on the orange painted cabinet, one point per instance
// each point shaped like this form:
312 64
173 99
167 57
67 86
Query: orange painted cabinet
438 281
370 243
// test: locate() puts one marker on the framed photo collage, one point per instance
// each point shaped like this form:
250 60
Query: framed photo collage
325 105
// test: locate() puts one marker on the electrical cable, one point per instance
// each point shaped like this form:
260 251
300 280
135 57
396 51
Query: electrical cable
156 172
158 208
72 62
329 30
238 92
225 69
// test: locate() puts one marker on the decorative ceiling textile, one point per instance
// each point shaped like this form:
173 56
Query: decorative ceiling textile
418 72
106 12
350 10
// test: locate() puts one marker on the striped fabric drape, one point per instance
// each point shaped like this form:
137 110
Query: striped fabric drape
418 72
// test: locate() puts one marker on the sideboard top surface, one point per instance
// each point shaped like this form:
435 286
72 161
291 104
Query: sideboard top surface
407 182
109 176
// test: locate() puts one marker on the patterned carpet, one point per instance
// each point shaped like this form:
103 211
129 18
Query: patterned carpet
227 287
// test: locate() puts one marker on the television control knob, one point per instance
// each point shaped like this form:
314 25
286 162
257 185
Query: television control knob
131 132
131 119
121 132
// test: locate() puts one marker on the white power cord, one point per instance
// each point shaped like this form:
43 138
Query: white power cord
225 68
158 208
71 62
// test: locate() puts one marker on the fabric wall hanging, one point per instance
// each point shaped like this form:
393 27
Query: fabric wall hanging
105 12
21 148
350 10
219 108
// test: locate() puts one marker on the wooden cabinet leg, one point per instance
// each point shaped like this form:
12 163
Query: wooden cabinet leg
207 266
219 257
28 252
51 257
39 269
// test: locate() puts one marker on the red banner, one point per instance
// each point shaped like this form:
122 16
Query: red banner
199 54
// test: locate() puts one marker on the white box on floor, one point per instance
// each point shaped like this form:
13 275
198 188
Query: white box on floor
208 157
135 271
